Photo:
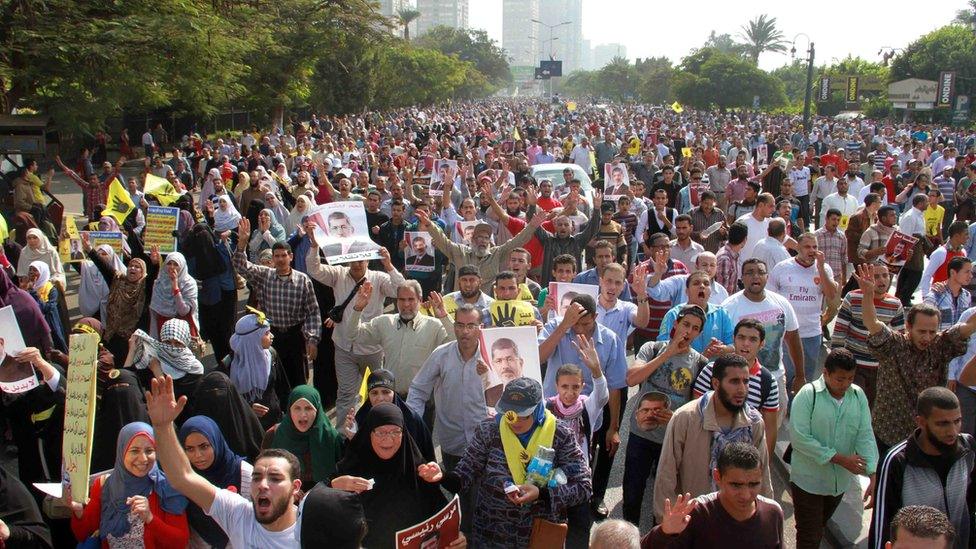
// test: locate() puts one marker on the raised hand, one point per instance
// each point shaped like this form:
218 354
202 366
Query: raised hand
587 350
310 231
161 401
423 220
865 278
677 517
154 256
243 233
363 295
436 305
639 285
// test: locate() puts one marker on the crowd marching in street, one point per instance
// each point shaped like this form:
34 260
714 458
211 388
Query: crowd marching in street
313 363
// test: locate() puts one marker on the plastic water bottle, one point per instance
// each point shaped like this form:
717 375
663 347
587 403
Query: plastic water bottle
540 467
558 478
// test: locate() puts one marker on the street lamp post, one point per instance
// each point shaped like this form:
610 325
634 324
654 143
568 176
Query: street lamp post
551 41
809 90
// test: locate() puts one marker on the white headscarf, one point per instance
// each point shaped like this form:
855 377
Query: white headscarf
94 289
303 207
208 188
175 360
43 274
226 216
45 253
163 302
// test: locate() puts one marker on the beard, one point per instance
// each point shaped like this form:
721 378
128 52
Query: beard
726 401
942 447
278 508
407 316
480 251
470 295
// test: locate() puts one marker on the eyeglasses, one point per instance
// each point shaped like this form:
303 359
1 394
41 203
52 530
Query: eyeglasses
471 326
388 435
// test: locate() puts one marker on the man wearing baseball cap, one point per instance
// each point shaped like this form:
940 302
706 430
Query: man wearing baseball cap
495 464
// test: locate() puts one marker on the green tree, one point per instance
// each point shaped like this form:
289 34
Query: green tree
579 82
794 79
654 77
416 76
404 17
82 61
761 35
470 45
725 44
966 17
952 47
712 78
617 79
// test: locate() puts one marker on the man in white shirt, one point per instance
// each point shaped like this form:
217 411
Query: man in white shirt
267 519
824 187
771 249
683 248
842 202
757 222
912 222
805 281
580 155
675 288
800 176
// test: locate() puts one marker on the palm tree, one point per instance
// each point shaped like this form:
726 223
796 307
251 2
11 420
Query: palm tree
404 17
761 35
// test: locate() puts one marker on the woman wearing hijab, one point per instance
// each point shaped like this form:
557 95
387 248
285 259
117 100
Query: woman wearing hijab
226 216
30 319
267 232
277 208
39 248
94 289
330 518
125 306
255 369
109 224
209 260
208 189
170 355
134 506
21 223
47 295
174 295
381 387
119 399
303 206
384 451
306 432
211 458
216 398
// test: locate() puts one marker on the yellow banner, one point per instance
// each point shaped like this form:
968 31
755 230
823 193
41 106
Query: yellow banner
118 204
79 412
512 313
69 245
676 107
161 222
163 190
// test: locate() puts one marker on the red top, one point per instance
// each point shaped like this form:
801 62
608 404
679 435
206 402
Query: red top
164 531
942 273
533 246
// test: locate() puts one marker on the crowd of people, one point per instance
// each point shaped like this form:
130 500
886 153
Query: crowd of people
253 394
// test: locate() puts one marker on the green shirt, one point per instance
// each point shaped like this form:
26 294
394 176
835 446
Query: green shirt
822 426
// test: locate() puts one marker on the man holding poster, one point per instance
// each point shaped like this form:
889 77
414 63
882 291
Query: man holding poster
342 232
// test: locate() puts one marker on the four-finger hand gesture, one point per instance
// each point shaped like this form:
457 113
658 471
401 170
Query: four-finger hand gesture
677 516
161 401
363 295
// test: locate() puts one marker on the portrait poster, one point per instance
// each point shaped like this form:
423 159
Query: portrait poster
443 176
79 412
342 232
463 230
15 377
564 292
419 253
437 532
112 238
161 221
616 181
510 353
898 250
70 247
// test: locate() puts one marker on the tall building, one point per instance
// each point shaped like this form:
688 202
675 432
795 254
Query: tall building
389 8
568 46
450 13
586 56
604 53
520 36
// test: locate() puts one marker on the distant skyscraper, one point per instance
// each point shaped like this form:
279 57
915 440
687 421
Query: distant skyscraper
569 44
450 13
390 8
520 36
586 55
604 53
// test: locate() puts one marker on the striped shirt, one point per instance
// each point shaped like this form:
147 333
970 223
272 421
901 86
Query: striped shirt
950 309
834 247
701 221
629 222
727 273
763 391
850 332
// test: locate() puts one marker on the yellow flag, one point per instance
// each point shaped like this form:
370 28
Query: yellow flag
118 205
162 189
363 392
571 106
515 135
676 107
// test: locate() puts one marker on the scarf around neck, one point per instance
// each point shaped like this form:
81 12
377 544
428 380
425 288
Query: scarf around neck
518 454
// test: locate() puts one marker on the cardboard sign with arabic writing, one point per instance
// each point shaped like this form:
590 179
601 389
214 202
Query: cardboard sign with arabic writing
436 532
79 412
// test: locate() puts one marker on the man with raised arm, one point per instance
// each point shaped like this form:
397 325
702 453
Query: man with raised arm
267 519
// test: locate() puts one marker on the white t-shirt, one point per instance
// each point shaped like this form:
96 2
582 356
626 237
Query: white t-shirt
801 287
801 181
757 231
235 515
776 315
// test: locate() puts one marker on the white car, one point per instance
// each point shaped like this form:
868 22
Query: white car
554 173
